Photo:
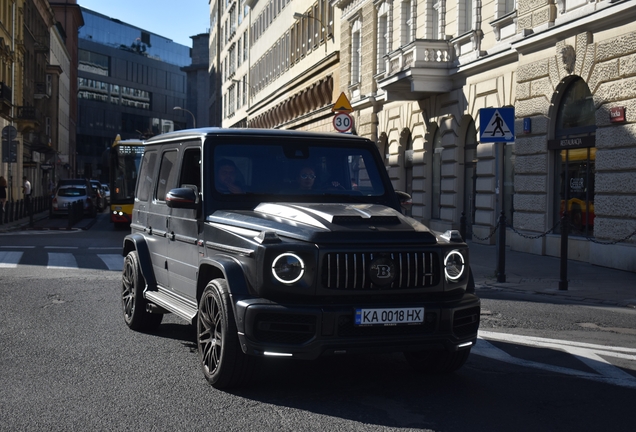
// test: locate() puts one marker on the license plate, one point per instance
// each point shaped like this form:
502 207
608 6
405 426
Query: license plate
389 316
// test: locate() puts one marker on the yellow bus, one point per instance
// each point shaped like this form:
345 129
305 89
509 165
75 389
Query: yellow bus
124 159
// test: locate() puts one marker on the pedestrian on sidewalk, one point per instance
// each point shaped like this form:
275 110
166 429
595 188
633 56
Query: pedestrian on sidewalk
26 190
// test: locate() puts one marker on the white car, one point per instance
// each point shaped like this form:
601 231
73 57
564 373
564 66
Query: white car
106 190
65 196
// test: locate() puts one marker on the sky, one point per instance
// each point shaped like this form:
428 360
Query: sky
173 19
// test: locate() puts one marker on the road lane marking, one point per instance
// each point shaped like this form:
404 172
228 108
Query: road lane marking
112 261
10 259
17 247
588 354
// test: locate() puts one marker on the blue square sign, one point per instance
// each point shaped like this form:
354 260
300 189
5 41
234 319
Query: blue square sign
497 125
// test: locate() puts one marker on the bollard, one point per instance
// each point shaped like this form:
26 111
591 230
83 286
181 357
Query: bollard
501 249
462 226
563 283
9 209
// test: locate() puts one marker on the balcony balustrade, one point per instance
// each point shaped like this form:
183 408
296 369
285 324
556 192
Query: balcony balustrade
417 70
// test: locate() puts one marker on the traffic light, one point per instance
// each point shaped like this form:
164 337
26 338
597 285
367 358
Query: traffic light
9 144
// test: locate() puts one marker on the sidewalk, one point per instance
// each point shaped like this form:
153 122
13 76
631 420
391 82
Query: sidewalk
41 221
538 274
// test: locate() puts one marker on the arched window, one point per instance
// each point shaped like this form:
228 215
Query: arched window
574 142
436 171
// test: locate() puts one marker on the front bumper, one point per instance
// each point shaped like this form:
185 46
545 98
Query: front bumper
309 331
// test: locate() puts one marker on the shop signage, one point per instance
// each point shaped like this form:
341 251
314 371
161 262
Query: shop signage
568 143
617 114
46 166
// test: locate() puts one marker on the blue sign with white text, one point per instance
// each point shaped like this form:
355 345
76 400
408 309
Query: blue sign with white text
497 124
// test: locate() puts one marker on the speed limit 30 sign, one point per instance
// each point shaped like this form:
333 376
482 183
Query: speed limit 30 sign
342 122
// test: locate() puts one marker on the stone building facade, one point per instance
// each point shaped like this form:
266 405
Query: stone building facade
418 73
278 63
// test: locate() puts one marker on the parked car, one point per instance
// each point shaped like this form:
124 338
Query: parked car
93 186
106 190
99 195
291 244
66 195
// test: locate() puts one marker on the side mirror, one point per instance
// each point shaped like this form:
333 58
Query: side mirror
185 198
406 202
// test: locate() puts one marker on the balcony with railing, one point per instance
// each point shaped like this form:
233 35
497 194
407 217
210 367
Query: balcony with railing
419 69
27 117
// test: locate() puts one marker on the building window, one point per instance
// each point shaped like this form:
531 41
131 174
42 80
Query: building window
434 20
407 23
464 16
384 41
356 52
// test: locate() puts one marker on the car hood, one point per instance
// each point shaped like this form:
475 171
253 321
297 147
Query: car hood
328 223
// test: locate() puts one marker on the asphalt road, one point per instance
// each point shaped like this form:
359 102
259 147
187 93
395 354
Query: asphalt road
69 362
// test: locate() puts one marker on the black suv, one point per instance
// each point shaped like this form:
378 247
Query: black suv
290 244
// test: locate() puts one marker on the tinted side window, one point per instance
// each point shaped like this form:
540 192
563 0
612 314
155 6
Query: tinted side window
191 168
145 178
167 174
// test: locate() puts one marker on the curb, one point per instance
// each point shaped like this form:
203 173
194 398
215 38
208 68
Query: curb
631 303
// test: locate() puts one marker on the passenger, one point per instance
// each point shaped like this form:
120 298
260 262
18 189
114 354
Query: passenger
306 178
227 178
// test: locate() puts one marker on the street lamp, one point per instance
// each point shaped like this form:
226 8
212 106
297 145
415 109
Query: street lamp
194 121
298 15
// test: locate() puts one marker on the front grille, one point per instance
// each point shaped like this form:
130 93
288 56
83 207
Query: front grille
285 328
351 270
466 321
347 328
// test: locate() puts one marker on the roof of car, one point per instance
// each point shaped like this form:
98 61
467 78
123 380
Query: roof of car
71 186
213 131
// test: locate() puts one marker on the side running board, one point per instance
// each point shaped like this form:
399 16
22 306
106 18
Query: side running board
174 304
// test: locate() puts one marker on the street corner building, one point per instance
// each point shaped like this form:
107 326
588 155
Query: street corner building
419 72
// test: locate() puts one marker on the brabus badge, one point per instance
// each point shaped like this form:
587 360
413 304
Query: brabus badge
382 271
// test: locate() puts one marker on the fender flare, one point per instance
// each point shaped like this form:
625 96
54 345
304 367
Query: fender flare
232 271
138 243
227 267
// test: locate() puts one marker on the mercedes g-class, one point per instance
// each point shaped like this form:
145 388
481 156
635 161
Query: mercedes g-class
290 244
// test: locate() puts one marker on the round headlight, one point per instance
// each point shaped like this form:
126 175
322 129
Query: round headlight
454 265
288 268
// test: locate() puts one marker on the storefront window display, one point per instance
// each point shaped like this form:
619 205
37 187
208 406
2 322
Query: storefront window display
575 159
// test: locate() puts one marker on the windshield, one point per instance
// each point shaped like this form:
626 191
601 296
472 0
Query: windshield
293 169
125 160
71 192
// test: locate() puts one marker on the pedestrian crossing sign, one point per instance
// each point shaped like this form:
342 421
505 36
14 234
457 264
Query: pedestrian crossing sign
497 124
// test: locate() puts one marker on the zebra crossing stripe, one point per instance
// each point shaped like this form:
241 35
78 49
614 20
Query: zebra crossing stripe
61 260
591 355
10 259
112 261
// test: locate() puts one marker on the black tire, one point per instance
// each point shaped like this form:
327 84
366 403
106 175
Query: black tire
132 298
437 362
223 363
